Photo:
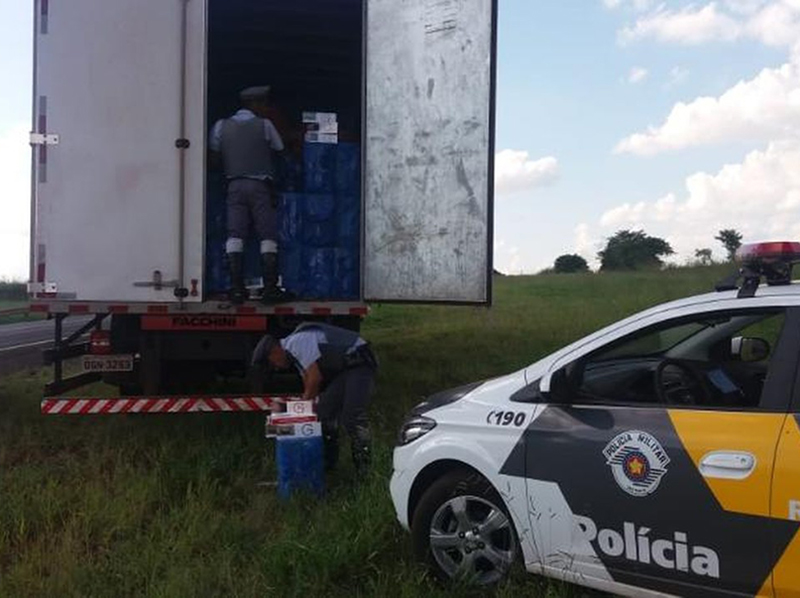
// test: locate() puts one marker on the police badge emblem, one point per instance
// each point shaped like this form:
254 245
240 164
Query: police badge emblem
638 462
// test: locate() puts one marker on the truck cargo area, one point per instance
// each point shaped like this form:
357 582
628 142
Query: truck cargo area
310 53
384 194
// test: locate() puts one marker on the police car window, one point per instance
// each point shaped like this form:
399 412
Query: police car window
717 361
653 343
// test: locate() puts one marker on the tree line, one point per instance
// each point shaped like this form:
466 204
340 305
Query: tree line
636 250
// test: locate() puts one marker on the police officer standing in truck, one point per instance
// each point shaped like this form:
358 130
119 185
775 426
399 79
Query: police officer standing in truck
338 367
248 144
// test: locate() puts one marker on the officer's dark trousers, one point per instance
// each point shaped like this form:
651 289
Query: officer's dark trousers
345 402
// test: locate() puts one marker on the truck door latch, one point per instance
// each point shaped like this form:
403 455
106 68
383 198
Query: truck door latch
158 283
44 139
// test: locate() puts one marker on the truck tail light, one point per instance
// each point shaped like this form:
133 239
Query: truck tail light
100 342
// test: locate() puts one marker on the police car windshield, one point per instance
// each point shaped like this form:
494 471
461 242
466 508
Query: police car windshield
654 342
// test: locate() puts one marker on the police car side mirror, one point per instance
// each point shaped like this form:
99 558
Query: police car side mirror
749 350
555 388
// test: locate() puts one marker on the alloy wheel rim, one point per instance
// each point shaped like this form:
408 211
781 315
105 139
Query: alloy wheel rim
472 539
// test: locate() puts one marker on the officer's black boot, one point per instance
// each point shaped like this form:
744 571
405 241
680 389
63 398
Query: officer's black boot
361 447
269 273
237 292
330 445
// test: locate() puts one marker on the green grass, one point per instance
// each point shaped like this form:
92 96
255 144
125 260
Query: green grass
170 506
15 304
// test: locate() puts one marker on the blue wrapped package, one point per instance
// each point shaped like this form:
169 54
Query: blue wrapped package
291 270
345 274
319 220
290 219
319 208
318 273
217 280
216 275
348 221
300 465
348 168
292 179
319 167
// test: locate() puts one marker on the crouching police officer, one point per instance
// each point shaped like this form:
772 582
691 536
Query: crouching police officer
338 366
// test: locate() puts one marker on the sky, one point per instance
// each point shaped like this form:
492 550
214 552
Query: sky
676 118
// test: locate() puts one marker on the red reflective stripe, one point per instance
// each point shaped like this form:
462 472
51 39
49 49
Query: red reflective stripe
40 271
246 311
47 406
128 406
158 309
358 311
148 406
39 308
87 407
70 405
285 311
189 405
252 404
79 309
107 407
322 311
169 405
118 309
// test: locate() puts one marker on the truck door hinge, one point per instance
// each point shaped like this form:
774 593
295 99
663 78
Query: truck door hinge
44 139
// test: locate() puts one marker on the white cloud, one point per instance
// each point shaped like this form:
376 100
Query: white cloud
677 75
515 172
762 109
15 157
690 25
637 74
507 258
760 197
637 5
774 23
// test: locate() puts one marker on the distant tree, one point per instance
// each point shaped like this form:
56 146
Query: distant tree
632 250
570 263
703 257
731 239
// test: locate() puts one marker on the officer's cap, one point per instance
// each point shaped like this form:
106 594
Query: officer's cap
260 92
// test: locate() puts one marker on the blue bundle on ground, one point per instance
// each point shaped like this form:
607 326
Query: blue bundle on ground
300 465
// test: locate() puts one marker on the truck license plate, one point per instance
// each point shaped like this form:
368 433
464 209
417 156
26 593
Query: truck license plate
108 363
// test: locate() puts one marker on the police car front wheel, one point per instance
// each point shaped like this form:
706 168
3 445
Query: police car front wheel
462 530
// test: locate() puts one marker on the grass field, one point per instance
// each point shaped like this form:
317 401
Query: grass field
170 506
14 295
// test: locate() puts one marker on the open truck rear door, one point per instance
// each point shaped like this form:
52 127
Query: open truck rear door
118 183
429 145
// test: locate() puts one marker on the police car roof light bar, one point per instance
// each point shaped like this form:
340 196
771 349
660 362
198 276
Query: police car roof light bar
772 260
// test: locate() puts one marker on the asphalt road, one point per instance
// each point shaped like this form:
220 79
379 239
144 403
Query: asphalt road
21 344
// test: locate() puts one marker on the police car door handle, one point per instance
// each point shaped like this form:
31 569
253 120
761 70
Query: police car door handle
732 465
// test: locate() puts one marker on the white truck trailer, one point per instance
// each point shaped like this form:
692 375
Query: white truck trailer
124 224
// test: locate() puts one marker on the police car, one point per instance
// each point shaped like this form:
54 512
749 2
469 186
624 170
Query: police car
658 456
